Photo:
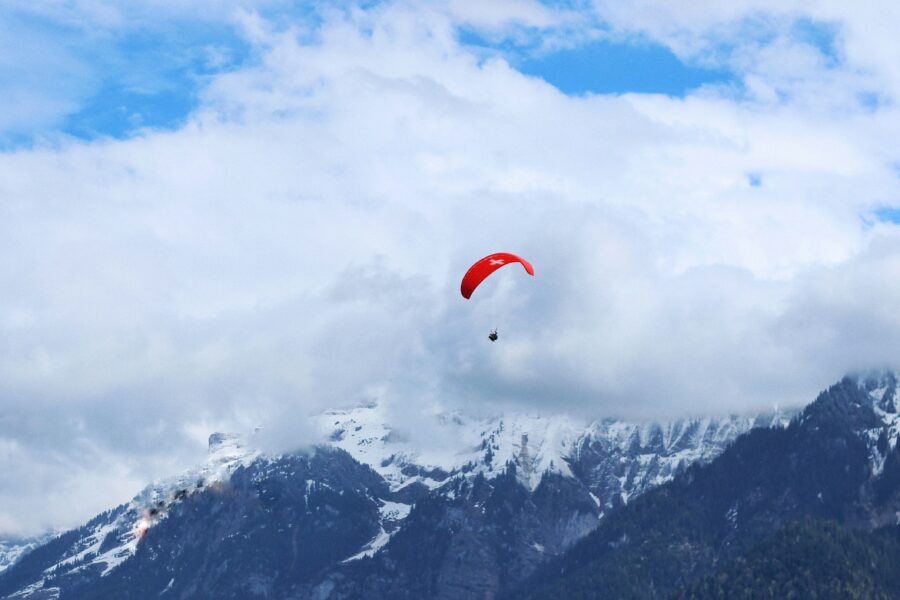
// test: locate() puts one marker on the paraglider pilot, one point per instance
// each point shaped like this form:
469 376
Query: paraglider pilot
483 268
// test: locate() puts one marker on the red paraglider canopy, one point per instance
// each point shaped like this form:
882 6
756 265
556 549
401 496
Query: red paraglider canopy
487 265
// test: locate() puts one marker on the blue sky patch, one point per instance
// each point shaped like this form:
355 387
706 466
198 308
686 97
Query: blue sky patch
117 111
154 78
822 36
105 83
607 67
887 214
112 84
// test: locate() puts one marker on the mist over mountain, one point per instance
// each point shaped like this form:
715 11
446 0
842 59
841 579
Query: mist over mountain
518 506
371 512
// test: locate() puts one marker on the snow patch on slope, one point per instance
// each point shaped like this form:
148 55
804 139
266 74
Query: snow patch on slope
392 513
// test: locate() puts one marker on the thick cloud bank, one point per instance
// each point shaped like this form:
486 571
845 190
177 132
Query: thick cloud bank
298 243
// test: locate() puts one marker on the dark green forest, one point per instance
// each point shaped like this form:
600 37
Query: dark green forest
812 559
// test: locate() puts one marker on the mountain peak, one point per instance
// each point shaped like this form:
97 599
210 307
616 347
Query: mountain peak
881 387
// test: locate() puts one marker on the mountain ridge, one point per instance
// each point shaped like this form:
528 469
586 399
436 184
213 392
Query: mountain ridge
562 476
829 463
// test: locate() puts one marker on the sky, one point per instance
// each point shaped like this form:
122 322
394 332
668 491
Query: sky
229 214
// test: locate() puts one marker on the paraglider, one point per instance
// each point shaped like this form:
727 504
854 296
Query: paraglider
487 265
482 269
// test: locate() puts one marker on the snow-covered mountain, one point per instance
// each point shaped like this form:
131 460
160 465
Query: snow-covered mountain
832 478
112 537
615 459
589 468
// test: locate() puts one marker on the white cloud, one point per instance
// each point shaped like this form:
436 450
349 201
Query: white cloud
299 245
758 37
